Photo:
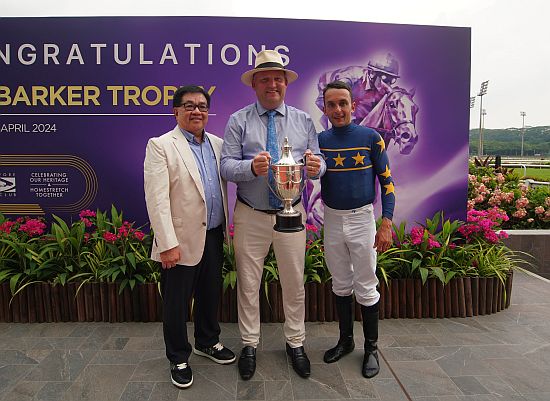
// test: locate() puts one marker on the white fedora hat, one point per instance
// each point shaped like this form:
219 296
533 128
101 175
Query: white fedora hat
268 60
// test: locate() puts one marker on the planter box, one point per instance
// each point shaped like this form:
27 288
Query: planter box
535 243
402 298
91 302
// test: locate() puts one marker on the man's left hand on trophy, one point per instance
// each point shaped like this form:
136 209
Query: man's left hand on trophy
313 163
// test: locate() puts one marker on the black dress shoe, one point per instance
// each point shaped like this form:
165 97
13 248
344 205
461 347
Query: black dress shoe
247 362
344 346
371 366
300 361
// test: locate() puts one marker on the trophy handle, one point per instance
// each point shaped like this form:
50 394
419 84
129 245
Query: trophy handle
305 167
270 171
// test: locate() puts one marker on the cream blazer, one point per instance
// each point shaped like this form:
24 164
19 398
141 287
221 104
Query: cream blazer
175 195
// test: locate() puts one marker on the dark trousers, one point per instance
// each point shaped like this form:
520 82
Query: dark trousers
203 282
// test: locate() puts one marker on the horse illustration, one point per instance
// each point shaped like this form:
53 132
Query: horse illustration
394 117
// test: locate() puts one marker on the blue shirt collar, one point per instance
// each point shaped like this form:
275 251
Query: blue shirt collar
262 110
191 138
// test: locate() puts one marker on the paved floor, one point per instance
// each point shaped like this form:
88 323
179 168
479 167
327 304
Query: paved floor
502 357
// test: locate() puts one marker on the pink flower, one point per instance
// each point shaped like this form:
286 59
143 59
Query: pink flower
485 179
312 227
483 190
432 243
417 235
494 200
479 199
523 188
86 222
87 213
530 220
109 237
508 197
522 202
33 227
417 238
6 226
86 237
482 223
139 235
500 178
520 213
231 230
123 232
472 178
547 201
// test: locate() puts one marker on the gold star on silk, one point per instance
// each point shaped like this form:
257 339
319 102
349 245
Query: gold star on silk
390 189
386 173
339 160
358 159
382 144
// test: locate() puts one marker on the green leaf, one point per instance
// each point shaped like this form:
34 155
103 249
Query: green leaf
424 274
14 281
438 272
132 259
449 276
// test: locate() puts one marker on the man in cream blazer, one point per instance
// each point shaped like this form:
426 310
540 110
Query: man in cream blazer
187 206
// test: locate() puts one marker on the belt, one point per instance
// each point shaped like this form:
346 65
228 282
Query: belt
268 211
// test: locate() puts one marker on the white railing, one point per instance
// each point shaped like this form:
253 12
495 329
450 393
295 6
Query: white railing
524 166
532 183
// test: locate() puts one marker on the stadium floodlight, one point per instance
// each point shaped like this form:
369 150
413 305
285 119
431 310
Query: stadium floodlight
482 92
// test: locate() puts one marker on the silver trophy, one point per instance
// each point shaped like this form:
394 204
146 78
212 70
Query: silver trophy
287 185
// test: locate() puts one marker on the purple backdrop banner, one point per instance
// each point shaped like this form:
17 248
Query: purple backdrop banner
79 98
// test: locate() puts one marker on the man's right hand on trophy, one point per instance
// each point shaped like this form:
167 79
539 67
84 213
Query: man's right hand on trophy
260 163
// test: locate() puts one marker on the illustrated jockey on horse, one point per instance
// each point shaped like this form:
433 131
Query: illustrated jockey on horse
378 103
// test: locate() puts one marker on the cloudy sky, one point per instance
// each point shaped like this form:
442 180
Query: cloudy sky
508 37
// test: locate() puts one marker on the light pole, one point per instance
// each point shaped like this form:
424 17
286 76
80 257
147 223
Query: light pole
483 114
522 114
472 102
482 92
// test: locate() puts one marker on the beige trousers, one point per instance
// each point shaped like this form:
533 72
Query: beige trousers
253 235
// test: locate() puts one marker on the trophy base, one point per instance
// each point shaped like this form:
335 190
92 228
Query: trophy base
288 223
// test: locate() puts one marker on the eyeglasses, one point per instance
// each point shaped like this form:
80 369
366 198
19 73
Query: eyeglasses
203 108
388 79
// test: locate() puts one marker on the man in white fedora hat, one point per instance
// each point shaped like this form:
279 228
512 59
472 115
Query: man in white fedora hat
253 137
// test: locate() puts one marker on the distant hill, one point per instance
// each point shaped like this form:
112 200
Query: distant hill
507 141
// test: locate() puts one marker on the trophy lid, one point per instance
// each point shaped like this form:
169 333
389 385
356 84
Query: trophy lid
286 158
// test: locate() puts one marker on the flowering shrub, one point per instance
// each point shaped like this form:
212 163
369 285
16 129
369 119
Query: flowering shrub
434 249
315 267
445 249
525 207
23 226
229 268
98 247
105 247
482 224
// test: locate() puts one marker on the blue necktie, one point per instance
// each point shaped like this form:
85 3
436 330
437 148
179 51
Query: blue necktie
273 149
